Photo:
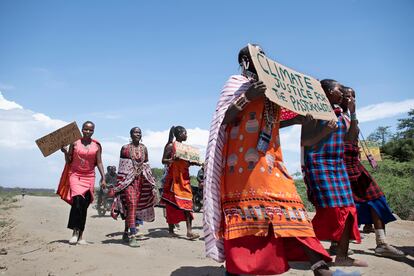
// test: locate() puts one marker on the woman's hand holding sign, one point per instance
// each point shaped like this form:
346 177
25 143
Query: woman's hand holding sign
255 91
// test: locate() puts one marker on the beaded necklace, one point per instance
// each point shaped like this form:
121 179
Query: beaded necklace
271 115
136 153
271 112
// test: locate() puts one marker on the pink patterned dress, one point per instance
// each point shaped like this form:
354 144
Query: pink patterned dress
82 168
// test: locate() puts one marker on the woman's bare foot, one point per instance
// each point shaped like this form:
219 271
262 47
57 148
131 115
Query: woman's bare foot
348 261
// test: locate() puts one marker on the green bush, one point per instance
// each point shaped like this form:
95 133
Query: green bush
396 180
301 188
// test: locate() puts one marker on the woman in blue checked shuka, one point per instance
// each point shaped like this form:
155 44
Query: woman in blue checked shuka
326 178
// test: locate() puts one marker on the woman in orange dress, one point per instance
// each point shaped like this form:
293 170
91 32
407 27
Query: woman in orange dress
177 194
254 218
81 159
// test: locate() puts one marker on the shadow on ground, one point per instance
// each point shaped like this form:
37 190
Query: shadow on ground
406 249
199 271
300 265
114 241
104 216
163 233
114 234
409 250
59 241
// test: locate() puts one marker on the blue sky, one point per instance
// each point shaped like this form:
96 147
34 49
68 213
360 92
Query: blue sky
155 64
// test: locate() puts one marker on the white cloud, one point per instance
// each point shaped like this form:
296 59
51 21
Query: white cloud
110 152
48 122
290 143
22 163
8 105
290 138
21 127
384 110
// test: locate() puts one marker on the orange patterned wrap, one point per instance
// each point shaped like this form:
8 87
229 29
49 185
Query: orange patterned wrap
256 189
177 188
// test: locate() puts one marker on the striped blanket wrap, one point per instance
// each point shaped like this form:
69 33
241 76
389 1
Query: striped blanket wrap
234 87
131 170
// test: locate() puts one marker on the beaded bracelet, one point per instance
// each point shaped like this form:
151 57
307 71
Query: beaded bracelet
353 117
241 102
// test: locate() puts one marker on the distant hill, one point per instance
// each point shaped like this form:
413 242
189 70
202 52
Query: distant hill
27 191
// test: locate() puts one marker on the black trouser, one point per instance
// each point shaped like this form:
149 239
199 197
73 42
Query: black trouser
78 212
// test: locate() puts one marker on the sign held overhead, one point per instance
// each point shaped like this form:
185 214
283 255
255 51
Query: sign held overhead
295 91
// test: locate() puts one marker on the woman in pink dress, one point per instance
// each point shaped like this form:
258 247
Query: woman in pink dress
81 159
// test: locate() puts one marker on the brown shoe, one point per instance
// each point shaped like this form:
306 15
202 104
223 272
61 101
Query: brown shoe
193 236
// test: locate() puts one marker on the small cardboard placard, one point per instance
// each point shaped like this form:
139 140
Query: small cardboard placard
373 150
54 141
295 91
186 152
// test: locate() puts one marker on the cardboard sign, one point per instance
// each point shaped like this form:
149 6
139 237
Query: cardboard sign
64 136
295 91
186 152
373 150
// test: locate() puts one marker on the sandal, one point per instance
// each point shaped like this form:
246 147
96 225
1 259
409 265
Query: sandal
348 261
82 242
74 239
133 242
386 250
193 236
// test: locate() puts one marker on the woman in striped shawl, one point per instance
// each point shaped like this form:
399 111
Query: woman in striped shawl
135 188
254 219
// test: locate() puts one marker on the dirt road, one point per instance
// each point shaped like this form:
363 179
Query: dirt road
37 244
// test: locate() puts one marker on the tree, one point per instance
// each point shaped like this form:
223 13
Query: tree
401 150
406 126
157 173
380 135
401 147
